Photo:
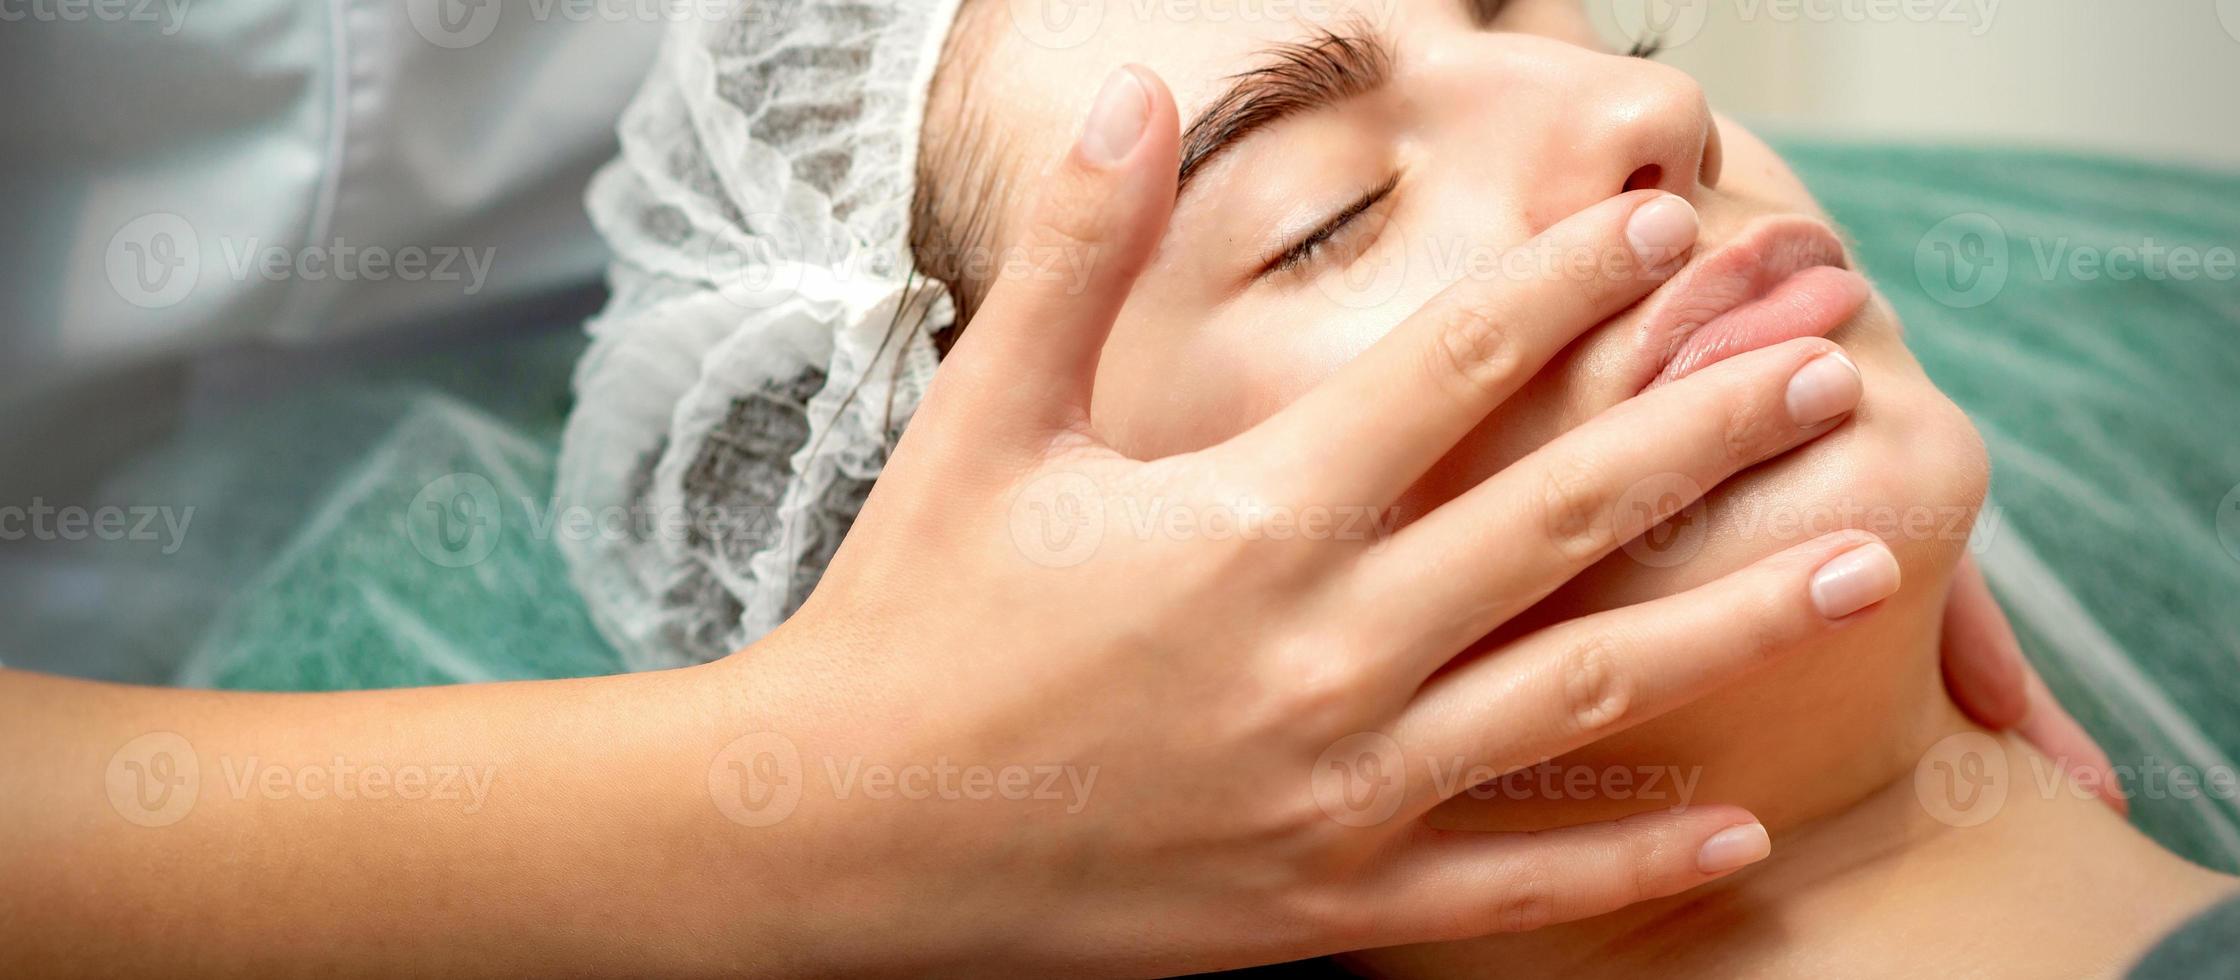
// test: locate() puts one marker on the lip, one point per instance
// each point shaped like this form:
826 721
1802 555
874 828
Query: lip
1783 278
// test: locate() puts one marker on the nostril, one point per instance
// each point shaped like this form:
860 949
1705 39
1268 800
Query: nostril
1646 177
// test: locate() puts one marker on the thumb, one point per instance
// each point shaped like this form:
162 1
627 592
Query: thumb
1030 354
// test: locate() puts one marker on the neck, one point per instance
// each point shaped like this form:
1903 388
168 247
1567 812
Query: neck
1980 854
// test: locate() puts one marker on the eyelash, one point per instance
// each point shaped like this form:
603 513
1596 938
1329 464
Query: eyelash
1299 254
1303 252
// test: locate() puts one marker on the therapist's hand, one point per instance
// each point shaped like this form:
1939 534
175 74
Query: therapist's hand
1224 739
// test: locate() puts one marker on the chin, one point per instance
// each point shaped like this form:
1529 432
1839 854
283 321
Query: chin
1822 726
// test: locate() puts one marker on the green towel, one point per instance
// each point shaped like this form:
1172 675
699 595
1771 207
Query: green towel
2101 360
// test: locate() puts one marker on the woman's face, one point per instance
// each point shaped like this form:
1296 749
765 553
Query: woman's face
1489 123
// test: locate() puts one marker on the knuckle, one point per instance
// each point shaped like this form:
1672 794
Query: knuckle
1475 350
1317 686
1641 876
1299 832
1322 693
1769 629
1333 913
1657 848
1574 507
1597 693
1752 428
1529 903
1290 846
1068 216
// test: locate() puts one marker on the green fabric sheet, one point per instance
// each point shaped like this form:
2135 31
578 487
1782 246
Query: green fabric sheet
2105 377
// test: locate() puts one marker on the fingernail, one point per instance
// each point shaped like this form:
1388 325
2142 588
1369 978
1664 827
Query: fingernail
1825 387
1116 120
1734 847
1660 230
1855 580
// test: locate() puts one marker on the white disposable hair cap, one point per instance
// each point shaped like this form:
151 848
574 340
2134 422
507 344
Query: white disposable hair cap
766 337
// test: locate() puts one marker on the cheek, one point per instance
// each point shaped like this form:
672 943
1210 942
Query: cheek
1169 384
1750 169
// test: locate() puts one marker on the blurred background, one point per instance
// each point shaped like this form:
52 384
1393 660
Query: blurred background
281 274
294 293
2142 78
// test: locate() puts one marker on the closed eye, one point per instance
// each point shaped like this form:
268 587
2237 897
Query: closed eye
1310 247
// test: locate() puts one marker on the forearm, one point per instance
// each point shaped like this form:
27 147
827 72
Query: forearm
562 826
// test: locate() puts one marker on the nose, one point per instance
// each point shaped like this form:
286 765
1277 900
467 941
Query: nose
1629 125
1591 125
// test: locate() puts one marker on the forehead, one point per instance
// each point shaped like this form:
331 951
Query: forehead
1044 59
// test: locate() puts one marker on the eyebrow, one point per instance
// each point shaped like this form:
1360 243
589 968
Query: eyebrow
1300 77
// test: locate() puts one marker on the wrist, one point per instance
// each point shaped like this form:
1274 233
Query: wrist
805 865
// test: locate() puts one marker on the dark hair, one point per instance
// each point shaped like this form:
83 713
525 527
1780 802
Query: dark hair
955 212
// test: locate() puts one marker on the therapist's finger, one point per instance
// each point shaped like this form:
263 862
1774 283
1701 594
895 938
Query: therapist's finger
2055 732
1467 567
1992 681
1586 679
1403 403
1458 884
1030 352
1982 660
